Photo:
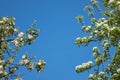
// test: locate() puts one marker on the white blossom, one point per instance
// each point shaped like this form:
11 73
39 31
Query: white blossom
39 63
83 66
106 25
91 76
21 39
7 28
5 73
112 28
96 31
1 71
85 39
24 56
16 30
111 1
106 44
103 18
21 34
76 67
95 54
5 18
1 22
3 39
78 38
90 37
90 62
16 43
30 36
26 61
101 73
98 24
118 2
95 49
115 74
1 61
88 28
118 70
31 65
1 67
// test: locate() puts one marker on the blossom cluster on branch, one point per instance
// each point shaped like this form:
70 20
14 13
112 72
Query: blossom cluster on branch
11 40
106 31
84 66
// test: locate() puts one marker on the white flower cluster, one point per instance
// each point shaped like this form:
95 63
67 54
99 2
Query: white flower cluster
86 28
116 75
84 66
7 25
101 76
114 31
105 45
96 52
95 49
101 32
5 19
21 34
101 22
91 76
30 66
40 65
19 40
84 40
26 62
1 22
78 40
118 71
30 36
8 20
113 76
16 30
2 71
98 60
111 1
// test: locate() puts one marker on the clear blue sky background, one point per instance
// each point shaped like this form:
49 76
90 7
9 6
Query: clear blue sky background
56 20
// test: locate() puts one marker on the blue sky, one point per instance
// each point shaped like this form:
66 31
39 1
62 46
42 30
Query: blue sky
55 44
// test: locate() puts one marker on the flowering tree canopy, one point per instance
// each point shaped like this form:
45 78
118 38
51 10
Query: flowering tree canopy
11 40
106 31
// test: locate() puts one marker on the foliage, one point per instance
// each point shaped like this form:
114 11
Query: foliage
11 40
105 30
